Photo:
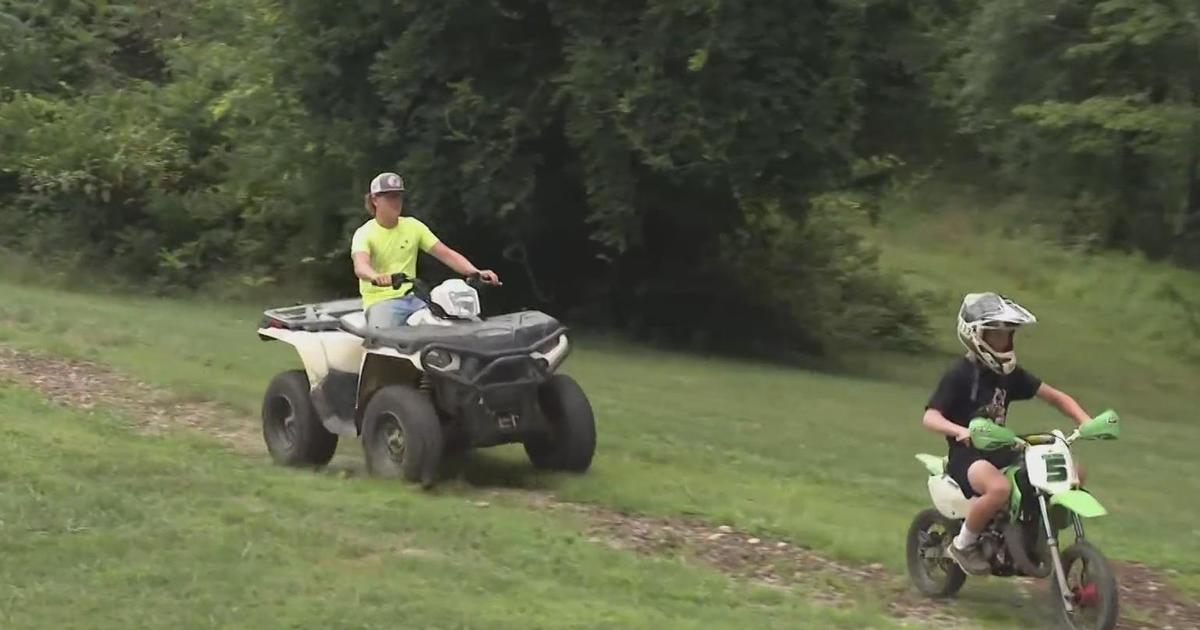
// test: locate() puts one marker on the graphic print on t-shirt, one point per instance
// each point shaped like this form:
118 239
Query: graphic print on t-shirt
998 409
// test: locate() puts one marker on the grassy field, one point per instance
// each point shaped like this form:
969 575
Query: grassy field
104 529
823 459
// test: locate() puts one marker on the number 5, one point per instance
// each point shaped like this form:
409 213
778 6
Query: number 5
1056 467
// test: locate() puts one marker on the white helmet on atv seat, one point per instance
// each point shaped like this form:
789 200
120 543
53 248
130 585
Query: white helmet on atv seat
457 299
983 311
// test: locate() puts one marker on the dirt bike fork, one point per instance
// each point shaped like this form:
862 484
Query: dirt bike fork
1052 541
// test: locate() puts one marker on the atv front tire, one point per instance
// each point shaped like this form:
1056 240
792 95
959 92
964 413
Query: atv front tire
291 428
401 435
571 442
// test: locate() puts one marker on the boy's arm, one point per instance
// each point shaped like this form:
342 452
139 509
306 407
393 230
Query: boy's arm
935 421
432 245
364 271
460 264
949 392
1063 402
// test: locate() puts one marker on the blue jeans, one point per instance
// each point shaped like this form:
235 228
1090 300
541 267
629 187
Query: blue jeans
393 313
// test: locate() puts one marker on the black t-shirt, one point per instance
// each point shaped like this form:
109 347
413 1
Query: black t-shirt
969 390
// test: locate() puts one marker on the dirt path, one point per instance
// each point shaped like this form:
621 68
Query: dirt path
769 561
88 385
774 561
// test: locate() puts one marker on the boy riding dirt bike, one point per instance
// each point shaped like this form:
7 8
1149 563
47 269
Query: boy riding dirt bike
984 383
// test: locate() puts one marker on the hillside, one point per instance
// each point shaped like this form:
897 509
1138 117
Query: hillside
822 460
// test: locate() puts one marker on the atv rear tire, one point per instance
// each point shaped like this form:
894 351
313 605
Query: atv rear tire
571 442
401 435
939 576
291 428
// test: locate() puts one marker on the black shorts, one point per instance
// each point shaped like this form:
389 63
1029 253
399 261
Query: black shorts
961 458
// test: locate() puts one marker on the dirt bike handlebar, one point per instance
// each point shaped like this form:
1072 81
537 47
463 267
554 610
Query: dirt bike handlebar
986 435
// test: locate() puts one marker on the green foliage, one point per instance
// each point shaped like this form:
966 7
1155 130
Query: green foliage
652 166
170 181
1095 101
616 144
820 272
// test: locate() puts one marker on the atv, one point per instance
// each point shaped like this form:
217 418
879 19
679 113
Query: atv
449 381
1023 540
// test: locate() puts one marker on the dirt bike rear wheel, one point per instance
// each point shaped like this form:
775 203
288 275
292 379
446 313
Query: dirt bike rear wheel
931 571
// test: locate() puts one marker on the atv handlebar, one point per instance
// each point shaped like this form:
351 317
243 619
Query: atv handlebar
475 281
399 280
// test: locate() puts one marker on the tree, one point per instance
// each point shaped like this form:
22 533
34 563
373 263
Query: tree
1097 101
666 166
638 134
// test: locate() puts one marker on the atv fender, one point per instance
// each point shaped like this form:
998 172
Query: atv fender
382 367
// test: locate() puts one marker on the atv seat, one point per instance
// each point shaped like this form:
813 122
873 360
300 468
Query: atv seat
353 322
512 331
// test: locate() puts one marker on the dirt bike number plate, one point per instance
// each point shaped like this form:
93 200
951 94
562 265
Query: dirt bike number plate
1050 467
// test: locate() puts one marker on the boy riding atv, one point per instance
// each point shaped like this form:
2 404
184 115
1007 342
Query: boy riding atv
983 384
387 244
416 373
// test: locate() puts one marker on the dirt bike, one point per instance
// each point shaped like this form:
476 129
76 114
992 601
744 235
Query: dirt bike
1023 539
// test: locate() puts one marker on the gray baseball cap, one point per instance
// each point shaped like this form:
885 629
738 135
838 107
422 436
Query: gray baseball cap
386 182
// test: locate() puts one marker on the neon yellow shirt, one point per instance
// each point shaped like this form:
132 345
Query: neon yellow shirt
392 250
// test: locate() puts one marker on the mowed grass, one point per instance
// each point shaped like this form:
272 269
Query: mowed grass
820 458
102 528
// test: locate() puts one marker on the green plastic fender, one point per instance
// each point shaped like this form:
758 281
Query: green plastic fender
934 464
1079 502
1014 495
989 436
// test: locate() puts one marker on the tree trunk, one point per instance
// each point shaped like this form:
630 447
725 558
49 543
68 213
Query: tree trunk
1142 219
1189 242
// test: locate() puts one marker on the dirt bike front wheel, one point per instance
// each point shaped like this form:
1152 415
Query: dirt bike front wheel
1093 589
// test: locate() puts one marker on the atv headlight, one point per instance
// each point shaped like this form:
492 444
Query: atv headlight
440 359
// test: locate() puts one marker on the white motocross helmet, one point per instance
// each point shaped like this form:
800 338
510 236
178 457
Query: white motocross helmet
457 299
983 311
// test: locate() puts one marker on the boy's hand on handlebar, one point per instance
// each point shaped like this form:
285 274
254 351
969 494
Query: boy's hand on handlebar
489 277
382 280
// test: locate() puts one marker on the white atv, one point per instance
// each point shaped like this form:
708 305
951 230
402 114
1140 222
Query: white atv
449 380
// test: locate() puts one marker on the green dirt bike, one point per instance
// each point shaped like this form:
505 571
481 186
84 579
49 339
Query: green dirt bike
1023 540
